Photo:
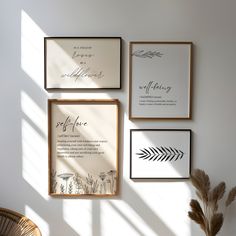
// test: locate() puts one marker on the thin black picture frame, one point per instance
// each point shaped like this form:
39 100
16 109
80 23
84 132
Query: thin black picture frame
74 89
162 178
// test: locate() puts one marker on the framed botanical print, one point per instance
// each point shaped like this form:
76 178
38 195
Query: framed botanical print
83 147
160 154
72 63
160 80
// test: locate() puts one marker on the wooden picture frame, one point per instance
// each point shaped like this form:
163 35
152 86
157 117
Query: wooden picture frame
83 144
160 153
81 63
160 80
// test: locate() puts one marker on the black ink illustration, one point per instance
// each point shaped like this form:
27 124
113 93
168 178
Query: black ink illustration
102 177
65 177
92 183
160 154
147 54
112 174
104 183
70 188
77 183
62 188
53 181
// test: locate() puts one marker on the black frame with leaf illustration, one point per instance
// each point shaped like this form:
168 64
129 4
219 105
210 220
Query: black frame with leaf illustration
160 80
83 144
160 153
78 63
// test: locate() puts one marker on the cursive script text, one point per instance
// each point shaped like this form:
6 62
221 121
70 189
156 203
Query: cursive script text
69 123
152 85
83 73
81 55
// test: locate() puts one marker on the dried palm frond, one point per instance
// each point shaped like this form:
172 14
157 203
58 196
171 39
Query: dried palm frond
231 196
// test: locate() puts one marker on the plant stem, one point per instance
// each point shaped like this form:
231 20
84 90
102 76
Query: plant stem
66 185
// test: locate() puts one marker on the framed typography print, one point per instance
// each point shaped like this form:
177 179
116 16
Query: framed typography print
83 147
72 63
160 154
160 80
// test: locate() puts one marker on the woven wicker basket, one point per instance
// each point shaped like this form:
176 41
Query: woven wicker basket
14 224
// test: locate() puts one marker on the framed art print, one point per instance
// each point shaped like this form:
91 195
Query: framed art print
160 154
72 63
160 80
83 147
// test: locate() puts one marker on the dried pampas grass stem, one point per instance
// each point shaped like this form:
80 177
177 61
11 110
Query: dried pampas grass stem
205 212
231 196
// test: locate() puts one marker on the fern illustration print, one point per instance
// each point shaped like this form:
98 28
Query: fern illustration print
160 154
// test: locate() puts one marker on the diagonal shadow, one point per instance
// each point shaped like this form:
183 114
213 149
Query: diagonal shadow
126 218
138 205
145 212
52 210
30 197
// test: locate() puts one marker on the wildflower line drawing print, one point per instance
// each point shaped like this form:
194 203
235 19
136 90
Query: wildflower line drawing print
74 183
160 154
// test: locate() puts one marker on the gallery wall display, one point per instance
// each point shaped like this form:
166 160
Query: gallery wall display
160 80
83 147
72 63
160 153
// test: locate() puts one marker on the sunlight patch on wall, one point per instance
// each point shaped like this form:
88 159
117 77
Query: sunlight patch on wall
33 112
34 146
34 158
38 220
32 49
171 204
118 217
84 95
78 215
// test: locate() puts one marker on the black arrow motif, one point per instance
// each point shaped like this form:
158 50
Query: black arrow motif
160 154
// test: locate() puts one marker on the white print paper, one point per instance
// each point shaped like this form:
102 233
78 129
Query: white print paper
160 80
160 154
82 63
84 148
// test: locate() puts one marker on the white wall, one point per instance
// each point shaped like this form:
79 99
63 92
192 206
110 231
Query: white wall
143 208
